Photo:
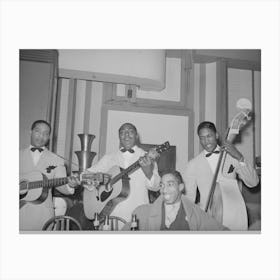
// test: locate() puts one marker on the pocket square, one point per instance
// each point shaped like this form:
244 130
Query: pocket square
231 168
50 168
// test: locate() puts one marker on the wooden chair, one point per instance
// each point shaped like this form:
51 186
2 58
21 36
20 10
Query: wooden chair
116 223
62 223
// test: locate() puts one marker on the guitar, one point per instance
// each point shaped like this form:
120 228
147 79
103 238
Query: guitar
35 190
109 196
225 201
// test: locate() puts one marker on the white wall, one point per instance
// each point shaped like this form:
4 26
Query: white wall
153 129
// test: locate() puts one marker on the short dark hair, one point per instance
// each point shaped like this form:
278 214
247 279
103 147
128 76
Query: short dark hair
177 175
130 124
206 124
40 121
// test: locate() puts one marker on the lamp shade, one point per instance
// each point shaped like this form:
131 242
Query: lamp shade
143 68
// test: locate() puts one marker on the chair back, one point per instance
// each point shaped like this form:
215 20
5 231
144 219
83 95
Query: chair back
62 223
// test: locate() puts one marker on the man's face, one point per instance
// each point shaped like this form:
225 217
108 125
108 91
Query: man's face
40 135
128 136
170 189
208 139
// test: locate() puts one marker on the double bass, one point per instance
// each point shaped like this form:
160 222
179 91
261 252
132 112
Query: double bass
225 201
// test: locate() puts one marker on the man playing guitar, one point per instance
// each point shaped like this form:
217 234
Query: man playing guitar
140 180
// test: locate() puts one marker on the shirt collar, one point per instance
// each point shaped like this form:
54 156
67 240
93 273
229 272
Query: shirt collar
172 207
133 148
30 146
218 148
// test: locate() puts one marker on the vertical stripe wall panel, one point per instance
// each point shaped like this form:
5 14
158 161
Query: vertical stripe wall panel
196 106
257 112
62 118
79 112
210 92
71 112
79 120
95 116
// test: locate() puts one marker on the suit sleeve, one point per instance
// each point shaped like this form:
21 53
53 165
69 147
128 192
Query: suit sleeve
103 165
190 182
206 222
246 173
60 171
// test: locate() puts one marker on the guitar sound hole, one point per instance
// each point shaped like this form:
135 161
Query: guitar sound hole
104 195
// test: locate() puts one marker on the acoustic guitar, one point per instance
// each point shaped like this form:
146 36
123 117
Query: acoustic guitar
34 186
225 201
118 189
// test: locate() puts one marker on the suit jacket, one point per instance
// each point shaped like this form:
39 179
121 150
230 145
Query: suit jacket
149 217
139 184
199 175
31 216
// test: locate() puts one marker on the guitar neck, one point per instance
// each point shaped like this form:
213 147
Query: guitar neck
125 172
51 183
159 149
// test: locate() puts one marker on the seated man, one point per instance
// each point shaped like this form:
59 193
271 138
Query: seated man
172 210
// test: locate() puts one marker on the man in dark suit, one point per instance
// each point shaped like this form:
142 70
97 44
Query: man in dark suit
173 211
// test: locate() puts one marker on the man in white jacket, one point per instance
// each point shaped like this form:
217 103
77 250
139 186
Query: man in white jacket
200 172
144 178
34 161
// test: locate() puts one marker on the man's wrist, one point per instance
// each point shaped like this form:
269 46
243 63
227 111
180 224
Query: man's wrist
241 160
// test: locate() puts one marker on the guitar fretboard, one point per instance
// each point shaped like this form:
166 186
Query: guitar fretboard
125 171
56 182
136 164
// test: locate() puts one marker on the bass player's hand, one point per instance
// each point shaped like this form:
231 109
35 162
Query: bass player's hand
230 148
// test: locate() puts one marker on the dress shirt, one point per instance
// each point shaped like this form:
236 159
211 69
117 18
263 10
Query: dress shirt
127 156
171 211
213 159
36 155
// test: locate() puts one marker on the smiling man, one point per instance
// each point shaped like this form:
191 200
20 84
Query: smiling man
173 211
200 172
140 180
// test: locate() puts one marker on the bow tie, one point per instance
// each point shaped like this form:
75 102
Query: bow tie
209 154
33 149
123 150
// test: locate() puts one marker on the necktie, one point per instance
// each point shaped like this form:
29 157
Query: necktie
123 150
209 154
33 149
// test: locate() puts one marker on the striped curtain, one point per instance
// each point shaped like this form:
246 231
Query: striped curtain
78 110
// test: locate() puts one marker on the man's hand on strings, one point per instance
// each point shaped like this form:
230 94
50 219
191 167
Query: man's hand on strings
230 148
73 181
92 181
147 165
